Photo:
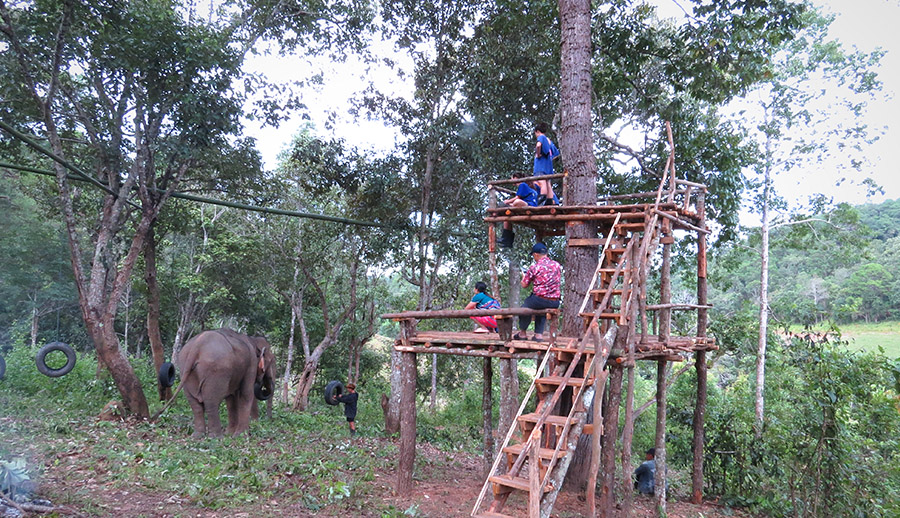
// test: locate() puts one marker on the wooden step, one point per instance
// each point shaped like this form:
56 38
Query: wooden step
589 315
555 420
544 453
602 292
631 226
555 381
506 483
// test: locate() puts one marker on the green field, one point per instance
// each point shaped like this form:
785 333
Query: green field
868 337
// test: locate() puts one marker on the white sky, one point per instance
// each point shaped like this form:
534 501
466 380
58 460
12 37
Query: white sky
861 24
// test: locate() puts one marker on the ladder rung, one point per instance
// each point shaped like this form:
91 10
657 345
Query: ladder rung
559 380
488 514
544 453
604 290
555 420
520 483
602 315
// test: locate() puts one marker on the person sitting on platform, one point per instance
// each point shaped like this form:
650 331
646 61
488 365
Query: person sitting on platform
525 196
482 300
546 274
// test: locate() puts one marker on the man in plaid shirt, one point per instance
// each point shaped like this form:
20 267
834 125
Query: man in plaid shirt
546 274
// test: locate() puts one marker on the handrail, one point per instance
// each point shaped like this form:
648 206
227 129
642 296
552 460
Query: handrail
587 294
520 180
545 412
509 434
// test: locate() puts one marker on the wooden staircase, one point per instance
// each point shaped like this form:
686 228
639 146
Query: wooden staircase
540 445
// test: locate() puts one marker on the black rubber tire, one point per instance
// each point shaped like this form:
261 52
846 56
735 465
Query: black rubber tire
166 374
263 390
43 368
334 388
2 367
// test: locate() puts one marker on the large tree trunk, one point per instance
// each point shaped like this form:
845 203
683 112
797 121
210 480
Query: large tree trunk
392 408
157 350
576 142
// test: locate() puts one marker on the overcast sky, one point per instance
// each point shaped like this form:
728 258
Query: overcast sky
861 24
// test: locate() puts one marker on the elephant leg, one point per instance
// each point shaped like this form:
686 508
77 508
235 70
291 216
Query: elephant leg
231 403
197 409
215 422
243 403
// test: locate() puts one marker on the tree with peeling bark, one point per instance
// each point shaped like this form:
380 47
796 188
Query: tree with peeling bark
794 129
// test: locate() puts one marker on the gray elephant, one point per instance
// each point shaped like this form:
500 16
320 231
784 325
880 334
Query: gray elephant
225 364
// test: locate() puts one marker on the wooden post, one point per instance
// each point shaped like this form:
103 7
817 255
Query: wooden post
596 409
407 459
492 245
535 491
509 395
610 431
660 479
486 413
700 359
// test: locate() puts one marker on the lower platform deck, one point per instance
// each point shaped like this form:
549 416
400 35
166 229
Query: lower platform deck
464 343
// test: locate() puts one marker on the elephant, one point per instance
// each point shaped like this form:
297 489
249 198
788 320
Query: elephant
224 364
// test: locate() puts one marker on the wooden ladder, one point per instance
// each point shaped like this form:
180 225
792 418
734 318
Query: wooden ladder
537 464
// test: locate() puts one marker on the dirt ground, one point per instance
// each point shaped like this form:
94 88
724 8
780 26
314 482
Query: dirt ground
447 485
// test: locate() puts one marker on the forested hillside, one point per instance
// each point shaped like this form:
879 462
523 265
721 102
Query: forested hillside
839 267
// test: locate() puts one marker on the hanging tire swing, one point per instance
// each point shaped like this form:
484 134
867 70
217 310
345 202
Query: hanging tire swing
333 389
41 360
166 375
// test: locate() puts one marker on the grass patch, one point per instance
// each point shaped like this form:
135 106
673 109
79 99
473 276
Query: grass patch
869 337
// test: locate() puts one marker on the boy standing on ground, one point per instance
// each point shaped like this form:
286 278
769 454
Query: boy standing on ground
349 400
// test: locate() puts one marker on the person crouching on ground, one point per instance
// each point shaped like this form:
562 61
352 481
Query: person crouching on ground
482 300
546 274
525 196
349 400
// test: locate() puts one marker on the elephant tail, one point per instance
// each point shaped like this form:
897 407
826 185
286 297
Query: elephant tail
184 376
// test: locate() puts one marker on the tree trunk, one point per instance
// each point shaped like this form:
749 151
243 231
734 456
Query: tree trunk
433 395
610 432
659 486
576 143
407 456
289 363
627 436
392 412
157 349
763 308
700 362
509 396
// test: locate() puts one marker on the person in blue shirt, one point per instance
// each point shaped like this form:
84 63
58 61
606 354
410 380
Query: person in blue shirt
525 196
544 154
481 300
645 473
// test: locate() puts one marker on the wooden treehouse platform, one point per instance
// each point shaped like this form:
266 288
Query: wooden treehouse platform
620 327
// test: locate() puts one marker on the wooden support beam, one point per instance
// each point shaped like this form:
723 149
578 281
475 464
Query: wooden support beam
407 460
487 406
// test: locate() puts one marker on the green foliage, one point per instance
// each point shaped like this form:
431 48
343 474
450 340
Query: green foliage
830 442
